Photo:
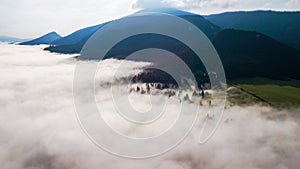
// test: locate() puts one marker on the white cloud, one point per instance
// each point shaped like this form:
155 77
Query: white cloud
39 128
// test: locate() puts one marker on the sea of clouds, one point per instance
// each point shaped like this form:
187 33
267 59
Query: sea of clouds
39 127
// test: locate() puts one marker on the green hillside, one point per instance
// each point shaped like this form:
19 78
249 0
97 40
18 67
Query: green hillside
280 94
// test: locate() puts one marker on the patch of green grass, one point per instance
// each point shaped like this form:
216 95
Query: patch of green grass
235 96
279 96
262 80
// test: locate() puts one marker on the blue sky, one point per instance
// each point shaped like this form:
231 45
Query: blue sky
31 18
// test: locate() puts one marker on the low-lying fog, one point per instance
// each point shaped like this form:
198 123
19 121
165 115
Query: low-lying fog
39 127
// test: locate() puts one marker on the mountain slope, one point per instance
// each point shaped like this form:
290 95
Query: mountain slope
244 54
45 39
283 26
251 54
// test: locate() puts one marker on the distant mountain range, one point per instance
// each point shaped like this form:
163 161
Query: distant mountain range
250 44
49 38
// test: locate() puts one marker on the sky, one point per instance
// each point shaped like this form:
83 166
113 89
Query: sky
32 18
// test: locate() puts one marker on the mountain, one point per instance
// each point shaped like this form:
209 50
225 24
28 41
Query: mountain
244 53
127 46
252 54
11 39
45 39
283 26
74 46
